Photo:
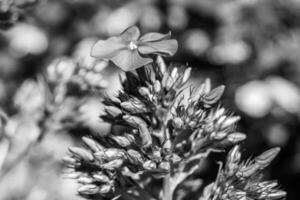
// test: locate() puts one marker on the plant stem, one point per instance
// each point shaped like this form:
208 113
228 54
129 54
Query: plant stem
167 191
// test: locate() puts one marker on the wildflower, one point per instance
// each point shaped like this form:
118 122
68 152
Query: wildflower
242 180
129 51
158 130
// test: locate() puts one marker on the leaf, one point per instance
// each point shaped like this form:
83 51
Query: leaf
129 60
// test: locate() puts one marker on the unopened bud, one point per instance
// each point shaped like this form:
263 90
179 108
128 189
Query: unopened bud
219 135
100 156
174 72
230 121
113 153
134 106
105 188
85 180
81 153
149 165
143 129
157 86
233 160
113 111
161 64
88 189
213 96
135 157
236 137
164 166
101 178
186 75
266 158
69 160
274 195
72 175
92 144
121 140
145 92
113 165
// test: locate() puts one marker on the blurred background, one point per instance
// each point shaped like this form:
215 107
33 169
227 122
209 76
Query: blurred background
251 46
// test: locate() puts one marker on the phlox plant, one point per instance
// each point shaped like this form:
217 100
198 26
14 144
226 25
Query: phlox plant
162 131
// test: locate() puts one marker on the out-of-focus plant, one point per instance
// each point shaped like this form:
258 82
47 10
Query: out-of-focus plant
53 103
12 10
162 132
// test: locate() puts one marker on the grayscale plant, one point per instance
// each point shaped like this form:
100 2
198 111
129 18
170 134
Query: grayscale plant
162 131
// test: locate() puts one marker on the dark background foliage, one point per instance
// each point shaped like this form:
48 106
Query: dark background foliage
251 46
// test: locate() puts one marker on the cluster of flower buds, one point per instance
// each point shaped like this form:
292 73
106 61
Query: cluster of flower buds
153 131
242 180
65 71
99 166
209 125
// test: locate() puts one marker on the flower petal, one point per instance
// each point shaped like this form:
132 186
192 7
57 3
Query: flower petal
129 60
164 47
106 49
154 37
131 34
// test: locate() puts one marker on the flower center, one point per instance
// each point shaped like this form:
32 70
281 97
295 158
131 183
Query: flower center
132 45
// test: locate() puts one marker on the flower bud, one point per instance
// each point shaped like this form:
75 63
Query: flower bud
69 160
88 189
92 144
156 156
81 153
121 140
85 180
230 121
100 156
236 137
101 178
113 111
105 188
113 153
205 87
161 64
135 106
174 72
143 129
135 157
164 166
157 86
213 96
219 135
273 195
266 158
186 75
145 92
247 171
233 160
72 175
149 165
113 165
